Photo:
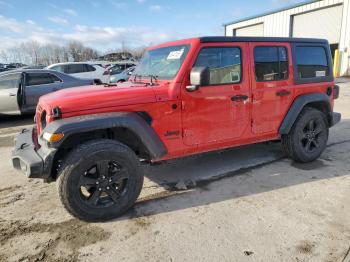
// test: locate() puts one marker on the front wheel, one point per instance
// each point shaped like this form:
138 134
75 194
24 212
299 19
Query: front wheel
308 136
100 180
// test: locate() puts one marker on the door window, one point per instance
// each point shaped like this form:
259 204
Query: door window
34 79
55 78
311 62
59 68
271 63
10 81
89 68
76 68
224 64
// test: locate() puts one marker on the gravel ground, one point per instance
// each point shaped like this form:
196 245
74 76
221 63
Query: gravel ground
245 204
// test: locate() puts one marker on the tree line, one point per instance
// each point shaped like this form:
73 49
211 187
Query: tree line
34 53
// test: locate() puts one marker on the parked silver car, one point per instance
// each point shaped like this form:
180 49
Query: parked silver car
121 77
21 89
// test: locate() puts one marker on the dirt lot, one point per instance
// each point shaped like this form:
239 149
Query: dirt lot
246 204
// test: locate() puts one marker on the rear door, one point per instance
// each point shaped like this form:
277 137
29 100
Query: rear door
9 93
37 85
272 82
220 111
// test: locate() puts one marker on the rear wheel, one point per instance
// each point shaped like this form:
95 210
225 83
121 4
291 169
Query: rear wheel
100 180
308 136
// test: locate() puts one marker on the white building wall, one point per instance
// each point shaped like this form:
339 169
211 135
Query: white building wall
279 24
344 44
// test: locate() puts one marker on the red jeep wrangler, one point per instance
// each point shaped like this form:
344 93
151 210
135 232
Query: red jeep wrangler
185 97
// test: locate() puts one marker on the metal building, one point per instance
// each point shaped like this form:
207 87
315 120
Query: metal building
328 19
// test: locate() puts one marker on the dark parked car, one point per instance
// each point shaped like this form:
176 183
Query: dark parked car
20 89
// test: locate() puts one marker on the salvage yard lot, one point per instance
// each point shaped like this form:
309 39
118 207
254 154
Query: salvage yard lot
244 204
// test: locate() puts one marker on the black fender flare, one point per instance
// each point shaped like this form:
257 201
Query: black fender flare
298 105
128 120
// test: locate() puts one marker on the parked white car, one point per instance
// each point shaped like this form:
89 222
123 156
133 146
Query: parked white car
81 70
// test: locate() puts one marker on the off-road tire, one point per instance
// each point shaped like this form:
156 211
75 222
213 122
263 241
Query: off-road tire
294 144
80 159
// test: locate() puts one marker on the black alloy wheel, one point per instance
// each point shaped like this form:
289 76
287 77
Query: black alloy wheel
103 184
100 180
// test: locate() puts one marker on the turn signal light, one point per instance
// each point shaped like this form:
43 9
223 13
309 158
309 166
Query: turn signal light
53 137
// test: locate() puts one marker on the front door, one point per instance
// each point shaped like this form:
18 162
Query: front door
272 84
220 111
37 85
9 93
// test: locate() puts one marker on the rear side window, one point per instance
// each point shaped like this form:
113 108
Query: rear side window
271 63
34 79
76 68
224 64
89 68
55 78
311 62
59 68
10 81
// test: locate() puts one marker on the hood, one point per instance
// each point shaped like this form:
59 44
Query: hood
97 96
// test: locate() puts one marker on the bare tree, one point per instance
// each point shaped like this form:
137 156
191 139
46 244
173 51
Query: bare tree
76 49
138 53
4 56
34 53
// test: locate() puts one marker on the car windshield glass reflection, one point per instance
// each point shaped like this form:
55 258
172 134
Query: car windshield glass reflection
164 63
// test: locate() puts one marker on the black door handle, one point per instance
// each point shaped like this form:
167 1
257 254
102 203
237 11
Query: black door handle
239 98
283 93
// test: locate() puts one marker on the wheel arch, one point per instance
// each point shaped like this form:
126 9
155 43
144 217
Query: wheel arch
132 129
318 101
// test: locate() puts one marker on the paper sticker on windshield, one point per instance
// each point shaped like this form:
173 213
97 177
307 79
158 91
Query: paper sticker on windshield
320 73
173 55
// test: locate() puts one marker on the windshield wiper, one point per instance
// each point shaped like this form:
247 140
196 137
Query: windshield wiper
137 76
153 77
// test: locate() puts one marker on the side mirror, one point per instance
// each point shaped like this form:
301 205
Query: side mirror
200 76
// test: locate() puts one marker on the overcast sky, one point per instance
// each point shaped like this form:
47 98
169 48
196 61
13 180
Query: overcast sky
105 24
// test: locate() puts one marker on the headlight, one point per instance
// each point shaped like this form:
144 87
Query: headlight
52 137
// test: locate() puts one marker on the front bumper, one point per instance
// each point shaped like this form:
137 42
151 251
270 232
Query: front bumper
33 162
336 117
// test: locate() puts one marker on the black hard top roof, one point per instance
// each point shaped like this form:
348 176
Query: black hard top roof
211 39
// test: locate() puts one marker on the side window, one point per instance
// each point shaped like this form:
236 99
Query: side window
224 64
271 63
76 68
34 79
10 81
58 68
55 78
311 61
89 68
65 69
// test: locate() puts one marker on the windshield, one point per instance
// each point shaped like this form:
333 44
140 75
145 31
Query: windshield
163 63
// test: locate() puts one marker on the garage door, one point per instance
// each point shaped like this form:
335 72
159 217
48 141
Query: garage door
324 23
254 30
